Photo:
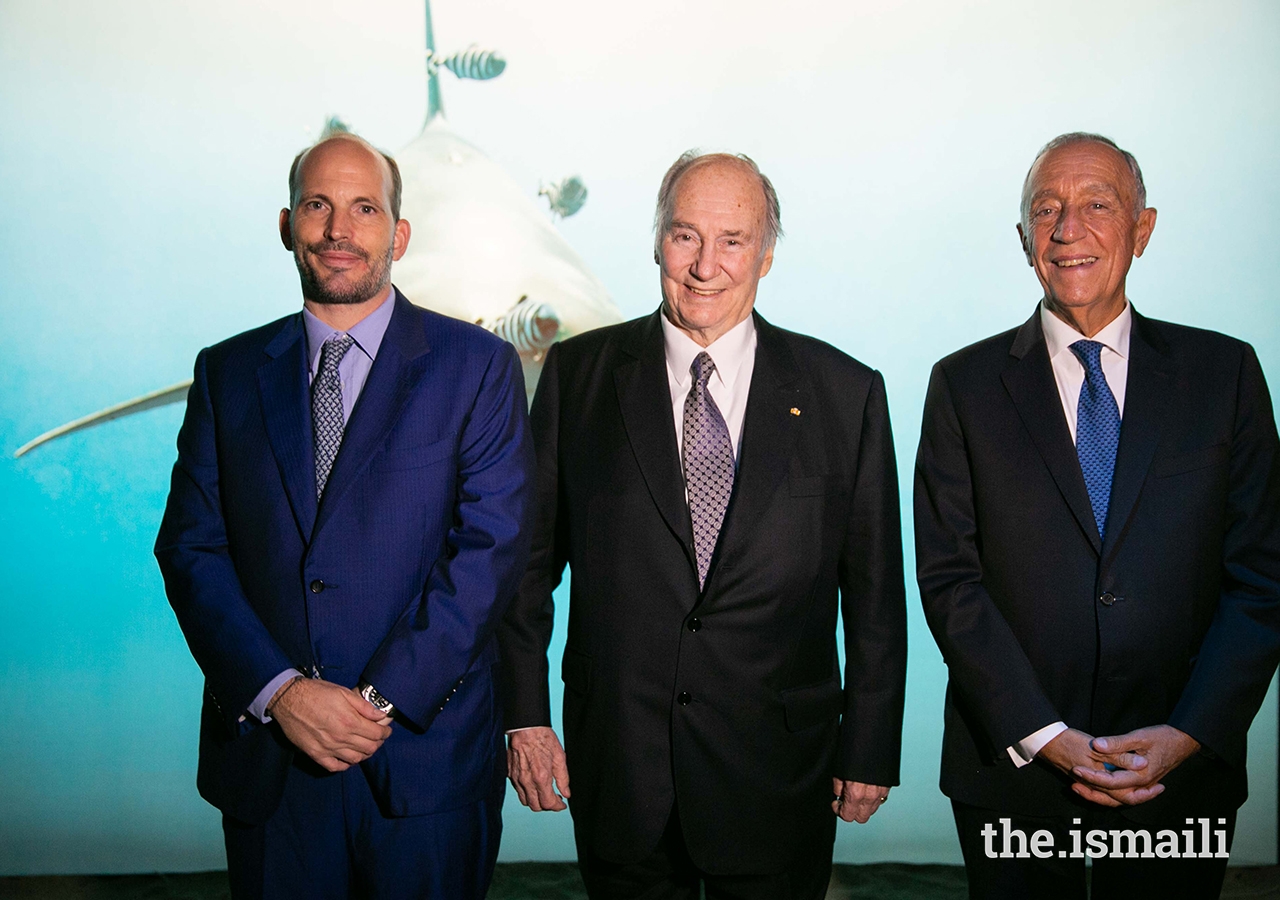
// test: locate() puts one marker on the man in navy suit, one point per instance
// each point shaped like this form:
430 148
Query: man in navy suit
345 525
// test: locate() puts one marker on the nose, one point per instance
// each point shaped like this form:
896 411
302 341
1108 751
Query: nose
1069 226
705 265
338 226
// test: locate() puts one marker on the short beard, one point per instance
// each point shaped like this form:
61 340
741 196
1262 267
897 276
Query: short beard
317 291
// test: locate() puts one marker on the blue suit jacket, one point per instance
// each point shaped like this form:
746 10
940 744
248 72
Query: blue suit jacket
397 577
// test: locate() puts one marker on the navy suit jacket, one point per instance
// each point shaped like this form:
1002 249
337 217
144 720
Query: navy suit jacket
397 577
1173 618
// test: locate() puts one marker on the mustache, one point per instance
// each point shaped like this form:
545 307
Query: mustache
338 247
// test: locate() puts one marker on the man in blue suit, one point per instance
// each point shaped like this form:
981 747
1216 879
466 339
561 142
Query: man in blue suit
345 525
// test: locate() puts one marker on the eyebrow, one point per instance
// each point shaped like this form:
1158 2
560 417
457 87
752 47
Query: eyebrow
738 233
1090 186
319 195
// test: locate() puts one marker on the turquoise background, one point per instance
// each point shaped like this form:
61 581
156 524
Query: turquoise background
143 153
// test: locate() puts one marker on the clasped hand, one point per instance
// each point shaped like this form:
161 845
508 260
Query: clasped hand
1139 761
332 724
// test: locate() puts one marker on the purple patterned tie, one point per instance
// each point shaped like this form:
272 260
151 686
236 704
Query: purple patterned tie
327 420
708 463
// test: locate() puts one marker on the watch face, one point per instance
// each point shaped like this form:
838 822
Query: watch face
375 698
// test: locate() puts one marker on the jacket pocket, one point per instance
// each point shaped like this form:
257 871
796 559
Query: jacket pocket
417 457
1179 463
575 671
812 704
808 485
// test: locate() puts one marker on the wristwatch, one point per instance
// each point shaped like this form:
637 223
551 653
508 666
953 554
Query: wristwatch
368 692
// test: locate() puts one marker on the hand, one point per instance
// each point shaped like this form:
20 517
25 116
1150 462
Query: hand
1142 758
333 725
535 760
1072 752
855 801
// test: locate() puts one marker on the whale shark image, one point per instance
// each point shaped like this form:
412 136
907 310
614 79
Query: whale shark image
482 248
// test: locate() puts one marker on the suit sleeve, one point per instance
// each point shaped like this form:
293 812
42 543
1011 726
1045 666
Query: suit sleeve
1239 652
986 663
229 642
440 635
873 607
525 632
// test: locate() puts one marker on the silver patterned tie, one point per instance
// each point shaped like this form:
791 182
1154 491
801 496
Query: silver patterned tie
327 420
708 463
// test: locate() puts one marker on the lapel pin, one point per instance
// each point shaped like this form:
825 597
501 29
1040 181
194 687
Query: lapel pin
795 411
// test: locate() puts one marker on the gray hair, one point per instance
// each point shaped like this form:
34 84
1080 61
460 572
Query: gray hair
665 212
397 186
1086 137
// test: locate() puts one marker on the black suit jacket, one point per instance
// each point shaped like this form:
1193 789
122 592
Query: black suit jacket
1175 618
728 703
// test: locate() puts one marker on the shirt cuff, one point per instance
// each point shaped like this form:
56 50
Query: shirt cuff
258 708
1026 749
525 728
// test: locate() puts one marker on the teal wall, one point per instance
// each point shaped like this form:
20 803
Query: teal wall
143 152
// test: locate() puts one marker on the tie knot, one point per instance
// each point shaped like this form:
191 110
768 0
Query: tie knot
1090 355
701 368
333 350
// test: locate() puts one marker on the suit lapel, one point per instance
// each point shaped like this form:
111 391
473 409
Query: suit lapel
1029 380
644 397
399 365
769 432
283 392
1146 404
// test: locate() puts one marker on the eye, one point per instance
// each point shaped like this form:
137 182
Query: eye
368 210
313 205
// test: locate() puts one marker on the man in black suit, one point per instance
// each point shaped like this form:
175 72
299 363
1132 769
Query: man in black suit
1097 513
714 483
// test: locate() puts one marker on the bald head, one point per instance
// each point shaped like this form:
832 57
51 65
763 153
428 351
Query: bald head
394 186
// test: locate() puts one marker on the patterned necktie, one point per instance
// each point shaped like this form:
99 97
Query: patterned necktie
327 420
1097 431
708 463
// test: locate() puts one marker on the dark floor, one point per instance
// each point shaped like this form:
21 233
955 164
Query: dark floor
559 881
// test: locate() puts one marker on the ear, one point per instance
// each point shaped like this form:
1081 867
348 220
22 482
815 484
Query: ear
1026 244
286 230
767 263
400 240
1142 230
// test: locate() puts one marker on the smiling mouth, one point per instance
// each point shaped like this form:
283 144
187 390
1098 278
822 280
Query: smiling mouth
700 293
1070 263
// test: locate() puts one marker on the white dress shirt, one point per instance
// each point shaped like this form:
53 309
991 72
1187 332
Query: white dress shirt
1069 374
734 354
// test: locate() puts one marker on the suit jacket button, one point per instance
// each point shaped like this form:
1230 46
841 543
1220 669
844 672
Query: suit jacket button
1107 599
684 699
695 623
317 586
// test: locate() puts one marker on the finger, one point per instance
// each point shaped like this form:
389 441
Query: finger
330 764
560 766
1116 744
1119 780
1094 796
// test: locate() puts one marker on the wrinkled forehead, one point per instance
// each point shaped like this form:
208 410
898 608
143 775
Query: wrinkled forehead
721 182
1086 165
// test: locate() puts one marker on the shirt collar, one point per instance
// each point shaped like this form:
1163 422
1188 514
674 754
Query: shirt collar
367 333
728 351
1059 336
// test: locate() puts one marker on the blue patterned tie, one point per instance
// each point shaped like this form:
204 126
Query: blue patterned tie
708 463
327 419
1097 431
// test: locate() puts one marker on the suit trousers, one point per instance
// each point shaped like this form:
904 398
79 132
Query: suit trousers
668 873
1062 876
328 841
